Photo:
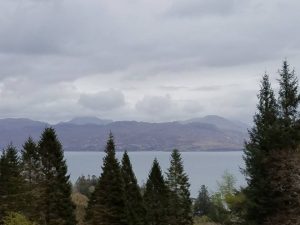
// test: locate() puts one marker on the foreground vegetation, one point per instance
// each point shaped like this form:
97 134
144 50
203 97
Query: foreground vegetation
35 188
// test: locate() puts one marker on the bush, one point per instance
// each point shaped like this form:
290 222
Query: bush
16 219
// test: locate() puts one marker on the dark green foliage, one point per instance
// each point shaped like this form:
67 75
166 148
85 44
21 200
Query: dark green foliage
107 203
135 209
270 153
202 203
156 197
86 186
180 205
288 104
56 205
11 182
261 142
31 163
288 94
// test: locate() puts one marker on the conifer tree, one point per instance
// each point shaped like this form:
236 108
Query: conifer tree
11 182
283 163
262 140
135 209
56 205
31 164
202 203
107 203
288 101
156 197
180 206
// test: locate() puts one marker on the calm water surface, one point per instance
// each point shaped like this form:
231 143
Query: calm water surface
201 167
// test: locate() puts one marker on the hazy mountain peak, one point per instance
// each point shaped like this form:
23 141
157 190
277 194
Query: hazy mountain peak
89 120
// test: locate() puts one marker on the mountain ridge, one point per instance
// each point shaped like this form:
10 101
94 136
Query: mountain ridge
210 133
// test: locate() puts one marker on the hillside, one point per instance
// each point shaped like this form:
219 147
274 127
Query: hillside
209 133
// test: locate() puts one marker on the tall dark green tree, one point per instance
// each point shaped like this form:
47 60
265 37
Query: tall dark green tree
288 102
202 203
11 182
180 207
135 209
283 163
262 140
107 203
156 197
56 205
31 163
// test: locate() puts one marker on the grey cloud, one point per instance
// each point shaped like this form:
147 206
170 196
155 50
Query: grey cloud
155 105
202 7
103 101
47 45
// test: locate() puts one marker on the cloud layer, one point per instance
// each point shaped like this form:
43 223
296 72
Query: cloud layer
145 60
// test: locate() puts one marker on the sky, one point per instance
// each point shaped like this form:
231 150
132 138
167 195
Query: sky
144 60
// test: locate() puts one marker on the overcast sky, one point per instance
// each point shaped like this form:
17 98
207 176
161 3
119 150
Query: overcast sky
146 60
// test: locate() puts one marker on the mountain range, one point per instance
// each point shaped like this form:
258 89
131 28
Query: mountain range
209 133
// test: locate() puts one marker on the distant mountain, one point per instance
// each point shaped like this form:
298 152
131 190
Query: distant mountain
89 120
219 122
210 133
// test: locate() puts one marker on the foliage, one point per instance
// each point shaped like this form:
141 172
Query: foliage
11 182
16 219
135 209
202 205
86 186
56 205
31 171
180 205
156 197
81 202
107 203
271 153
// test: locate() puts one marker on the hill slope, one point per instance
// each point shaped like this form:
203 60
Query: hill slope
211 133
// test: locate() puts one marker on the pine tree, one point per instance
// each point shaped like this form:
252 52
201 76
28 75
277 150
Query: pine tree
202 203
32 174
180 207
289 100
56 205
11 182
263 138
156 197
283 163
134 202
107 203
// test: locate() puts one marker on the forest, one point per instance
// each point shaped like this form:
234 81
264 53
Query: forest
35 187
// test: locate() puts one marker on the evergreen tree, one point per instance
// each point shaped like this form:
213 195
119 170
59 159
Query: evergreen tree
180 207
107 203
156 197
32 174
288 100
262 140
283 162
134 202
202 204
56 205
11 182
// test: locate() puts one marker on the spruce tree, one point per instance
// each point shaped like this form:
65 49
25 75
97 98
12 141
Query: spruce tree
32 174
283 163
288 101
11 182
263 138
202 203
107 203
180 206
56 205
135 209
156 197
